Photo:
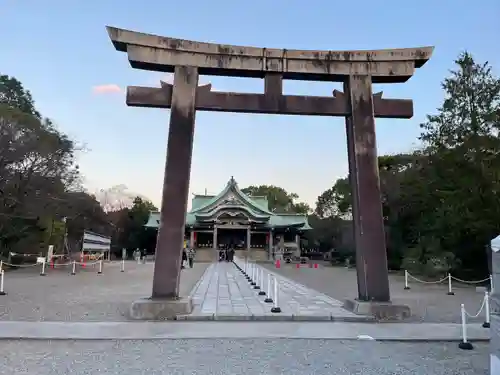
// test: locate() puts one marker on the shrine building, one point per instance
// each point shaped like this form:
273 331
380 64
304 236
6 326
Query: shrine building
232 218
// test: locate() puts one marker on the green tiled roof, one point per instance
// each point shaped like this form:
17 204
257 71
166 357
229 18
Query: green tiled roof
206 207
200 200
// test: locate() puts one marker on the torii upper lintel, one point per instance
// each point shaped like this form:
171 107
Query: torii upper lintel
157 53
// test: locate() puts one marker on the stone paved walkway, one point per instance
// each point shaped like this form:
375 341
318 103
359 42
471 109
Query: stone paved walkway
223 293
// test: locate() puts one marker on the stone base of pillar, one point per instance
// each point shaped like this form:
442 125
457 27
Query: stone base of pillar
384 311
160 309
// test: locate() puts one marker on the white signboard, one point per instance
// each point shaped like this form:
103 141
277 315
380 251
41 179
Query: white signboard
95 242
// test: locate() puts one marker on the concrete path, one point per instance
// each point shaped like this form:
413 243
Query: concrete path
223 293
238 330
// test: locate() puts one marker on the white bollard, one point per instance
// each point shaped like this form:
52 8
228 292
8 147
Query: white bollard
100 267
73 270
2 291
1 265
257 279
42 273
138 260
123 265
262 292
252 278
491 284
450 292
486 323
406 280
248 271
465 345
276 307
268 297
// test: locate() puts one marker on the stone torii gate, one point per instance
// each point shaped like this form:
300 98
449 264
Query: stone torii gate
357 70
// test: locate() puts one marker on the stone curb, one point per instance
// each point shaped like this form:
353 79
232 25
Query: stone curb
397 332
274 318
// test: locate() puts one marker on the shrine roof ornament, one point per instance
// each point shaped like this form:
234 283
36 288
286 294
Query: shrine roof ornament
162 54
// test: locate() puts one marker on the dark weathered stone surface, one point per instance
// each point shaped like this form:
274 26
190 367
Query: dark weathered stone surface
157 53
159 309
373 280
176 184
383 311
272 103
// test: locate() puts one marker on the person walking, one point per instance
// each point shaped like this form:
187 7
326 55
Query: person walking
184 258
190 256
231 254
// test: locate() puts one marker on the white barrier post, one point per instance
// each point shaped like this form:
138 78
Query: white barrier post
268 298
73 270
252 279
42 273
2 291
262 292
257 279
491 284
123 266
465 345
406 280
100 267
486 323
249 270
276 307
1 265
450 292
245 267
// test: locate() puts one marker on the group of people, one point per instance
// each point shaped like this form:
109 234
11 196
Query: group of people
226 254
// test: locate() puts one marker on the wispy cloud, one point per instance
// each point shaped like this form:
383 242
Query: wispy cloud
106 89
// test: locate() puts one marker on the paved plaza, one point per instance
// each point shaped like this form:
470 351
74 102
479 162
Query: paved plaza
86 296
239 356
223 293
428 302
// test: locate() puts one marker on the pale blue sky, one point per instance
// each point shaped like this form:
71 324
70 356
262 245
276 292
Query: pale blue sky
60 50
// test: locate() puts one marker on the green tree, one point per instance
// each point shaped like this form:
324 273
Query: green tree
336 201
463 180
279 199
130 232
14 95
37 168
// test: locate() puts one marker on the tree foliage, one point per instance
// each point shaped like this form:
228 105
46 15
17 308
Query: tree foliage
129 222
39 179
280 201
441 203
